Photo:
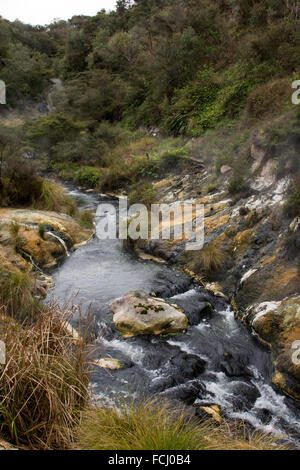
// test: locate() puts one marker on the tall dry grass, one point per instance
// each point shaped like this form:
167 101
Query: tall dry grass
212 258
44 383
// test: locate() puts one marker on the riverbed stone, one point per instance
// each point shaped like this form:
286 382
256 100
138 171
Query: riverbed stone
109 363
136 314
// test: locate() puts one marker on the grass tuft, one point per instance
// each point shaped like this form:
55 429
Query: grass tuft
16 294
44 384
87 219
212 258
157 425
54 198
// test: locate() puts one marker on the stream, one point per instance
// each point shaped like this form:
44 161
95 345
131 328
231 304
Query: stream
217 361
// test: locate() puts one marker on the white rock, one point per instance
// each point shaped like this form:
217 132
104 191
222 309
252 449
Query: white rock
135 314
247 275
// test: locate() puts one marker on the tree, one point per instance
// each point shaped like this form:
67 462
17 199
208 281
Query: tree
294 7
8 146
76 53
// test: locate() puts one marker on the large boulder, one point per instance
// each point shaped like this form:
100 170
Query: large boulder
278 325
136 314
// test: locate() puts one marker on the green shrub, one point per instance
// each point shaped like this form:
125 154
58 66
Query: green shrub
114 177
144 194
149 168
211 187
238 182
283 137
14 229
174 158
88 176
87 219
237 185
292 205
47 132
268 100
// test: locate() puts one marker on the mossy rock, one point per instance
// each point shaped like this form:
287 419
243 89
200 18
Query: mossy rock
135 315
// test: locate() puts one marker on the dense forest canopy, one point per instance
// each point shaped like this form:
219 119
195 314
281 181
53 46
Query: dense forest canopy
182 65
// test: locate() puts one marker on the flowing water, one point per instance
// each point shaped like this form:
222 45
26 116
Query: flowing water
216 361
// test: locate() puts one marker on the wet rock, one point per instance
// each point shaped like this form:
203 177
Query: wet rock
186 393
264 415
109 363
175 365
244 395
278 325
235 366
135 314
196 305
169 283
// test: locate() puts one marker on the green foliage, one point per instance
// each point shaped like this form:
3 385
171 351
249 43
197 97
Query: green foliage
88 176
238 182
211 187
19 183
76 51
16 293
172 159
86 219
26 73
143 194
283 135
41 231
46 132
86 148
14 229
158 425
149 169
93 102
153 62
292 205
144 426
54 198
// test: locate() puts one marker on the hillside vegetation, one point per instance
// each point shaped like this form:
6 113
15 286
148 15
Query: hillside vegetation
183 97
218 70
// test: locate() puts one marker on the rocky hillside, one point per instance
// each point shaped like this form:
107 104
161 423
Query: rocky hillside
251 251
32 243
